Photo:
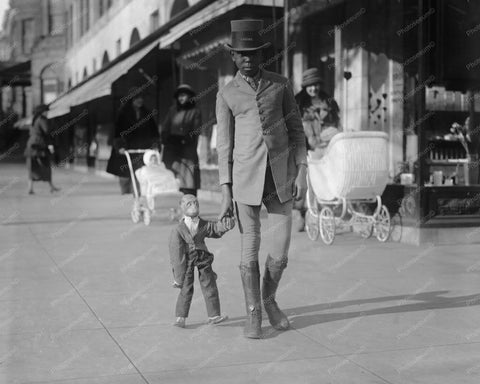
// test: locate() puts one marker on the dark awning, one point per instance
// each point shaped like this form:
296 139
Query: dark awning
98 86
15 73
100 83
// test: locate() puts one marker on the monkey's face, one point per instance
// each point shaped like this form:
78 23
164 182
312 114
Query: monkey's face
190 206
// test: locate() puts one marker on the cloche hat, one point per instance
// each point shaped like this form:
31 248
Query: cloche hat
311 76
184 88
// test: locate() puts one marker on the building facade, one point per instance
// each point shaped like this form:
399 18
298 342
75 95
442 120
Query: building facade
100 31
34 32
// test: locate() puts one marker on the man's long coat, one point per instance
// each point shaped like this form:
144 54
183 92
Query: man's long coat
253 126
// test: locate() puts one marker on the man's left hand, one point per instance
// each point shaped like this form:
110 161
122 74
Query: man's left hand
300 187
228 222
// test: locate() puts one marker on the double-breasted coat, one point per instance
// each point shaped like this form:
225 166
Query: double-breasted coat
253 126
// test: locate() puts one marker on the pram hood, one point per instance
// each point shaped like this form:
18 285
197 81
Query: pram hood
355 166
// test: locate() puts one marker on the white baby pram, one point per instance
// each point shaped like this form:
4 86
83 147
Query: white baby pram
152 183
353 171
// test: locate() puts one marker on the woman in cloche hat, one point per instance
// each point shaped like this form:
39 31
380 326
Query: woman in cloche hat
39 149
180 132
321 120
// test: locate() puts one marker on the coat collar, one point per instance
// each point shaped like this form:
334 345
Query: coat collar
243 85
185 231
264 83
240 82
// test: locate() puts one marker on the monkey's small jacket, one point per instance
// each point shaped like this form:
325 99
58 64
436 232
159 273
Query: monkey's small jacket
183 244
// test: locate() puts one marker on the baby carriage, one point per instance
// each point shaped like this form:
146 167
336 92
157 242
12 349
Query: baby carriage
153 180
352 173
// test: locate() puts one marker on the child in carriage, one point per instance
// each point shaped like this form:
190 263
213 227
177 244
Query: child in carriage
154 178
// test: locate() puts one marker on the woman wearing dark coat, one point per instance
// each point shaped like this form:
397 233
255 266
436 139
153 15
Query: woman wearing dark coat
135 128
38 150
180 137
310 100
312 94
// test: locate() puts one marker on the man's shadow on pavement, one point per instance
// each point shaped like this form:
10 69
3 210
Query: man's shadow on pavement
305 316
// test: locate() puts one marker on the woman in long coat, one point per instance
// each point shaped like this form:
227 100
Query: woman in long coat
180 138
37 151
135 128
319 112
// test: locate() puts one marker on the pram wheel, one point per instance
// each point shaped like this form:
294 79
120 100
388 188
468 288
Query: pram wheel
150 202
327 225
135 214
311 225
147 217
382 224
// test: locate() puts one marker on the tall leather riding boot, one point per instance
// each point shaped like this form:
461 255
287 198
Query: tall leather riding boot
271 278
250 274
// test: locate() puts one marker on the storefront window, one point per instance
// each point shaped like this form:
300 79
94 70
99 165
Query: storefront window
453 142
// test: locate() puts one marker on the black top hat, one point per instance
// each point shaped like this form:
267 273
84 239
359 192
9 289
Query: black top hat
247 35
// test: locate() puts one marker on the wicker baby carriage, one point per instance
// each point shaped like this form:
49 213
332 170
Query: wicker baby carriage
352 173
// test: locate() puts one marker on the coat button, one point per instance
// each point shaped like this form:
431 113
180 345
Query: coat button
261 110
262 118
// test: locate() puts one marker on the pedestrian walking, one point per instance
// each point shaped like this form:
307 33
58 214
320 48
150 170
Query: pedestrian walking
39 149
261 159
135 128
321 121
180 138
187 251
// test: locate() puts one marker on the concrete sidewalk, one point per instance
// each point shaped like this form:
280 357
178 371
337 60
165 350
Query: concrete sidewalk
86 298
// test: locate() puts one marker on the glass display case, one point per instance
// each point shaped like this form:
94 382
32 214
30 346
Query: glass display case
452 148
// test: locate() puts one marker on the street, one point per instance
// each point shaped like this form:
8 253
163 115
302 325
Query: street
86 298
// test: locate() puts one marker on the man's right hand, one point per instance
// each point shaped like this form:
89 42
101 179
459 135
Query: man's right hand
227 206
121 151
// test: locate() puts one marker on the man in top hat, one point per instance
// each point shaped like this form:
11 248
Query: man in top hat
261 159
